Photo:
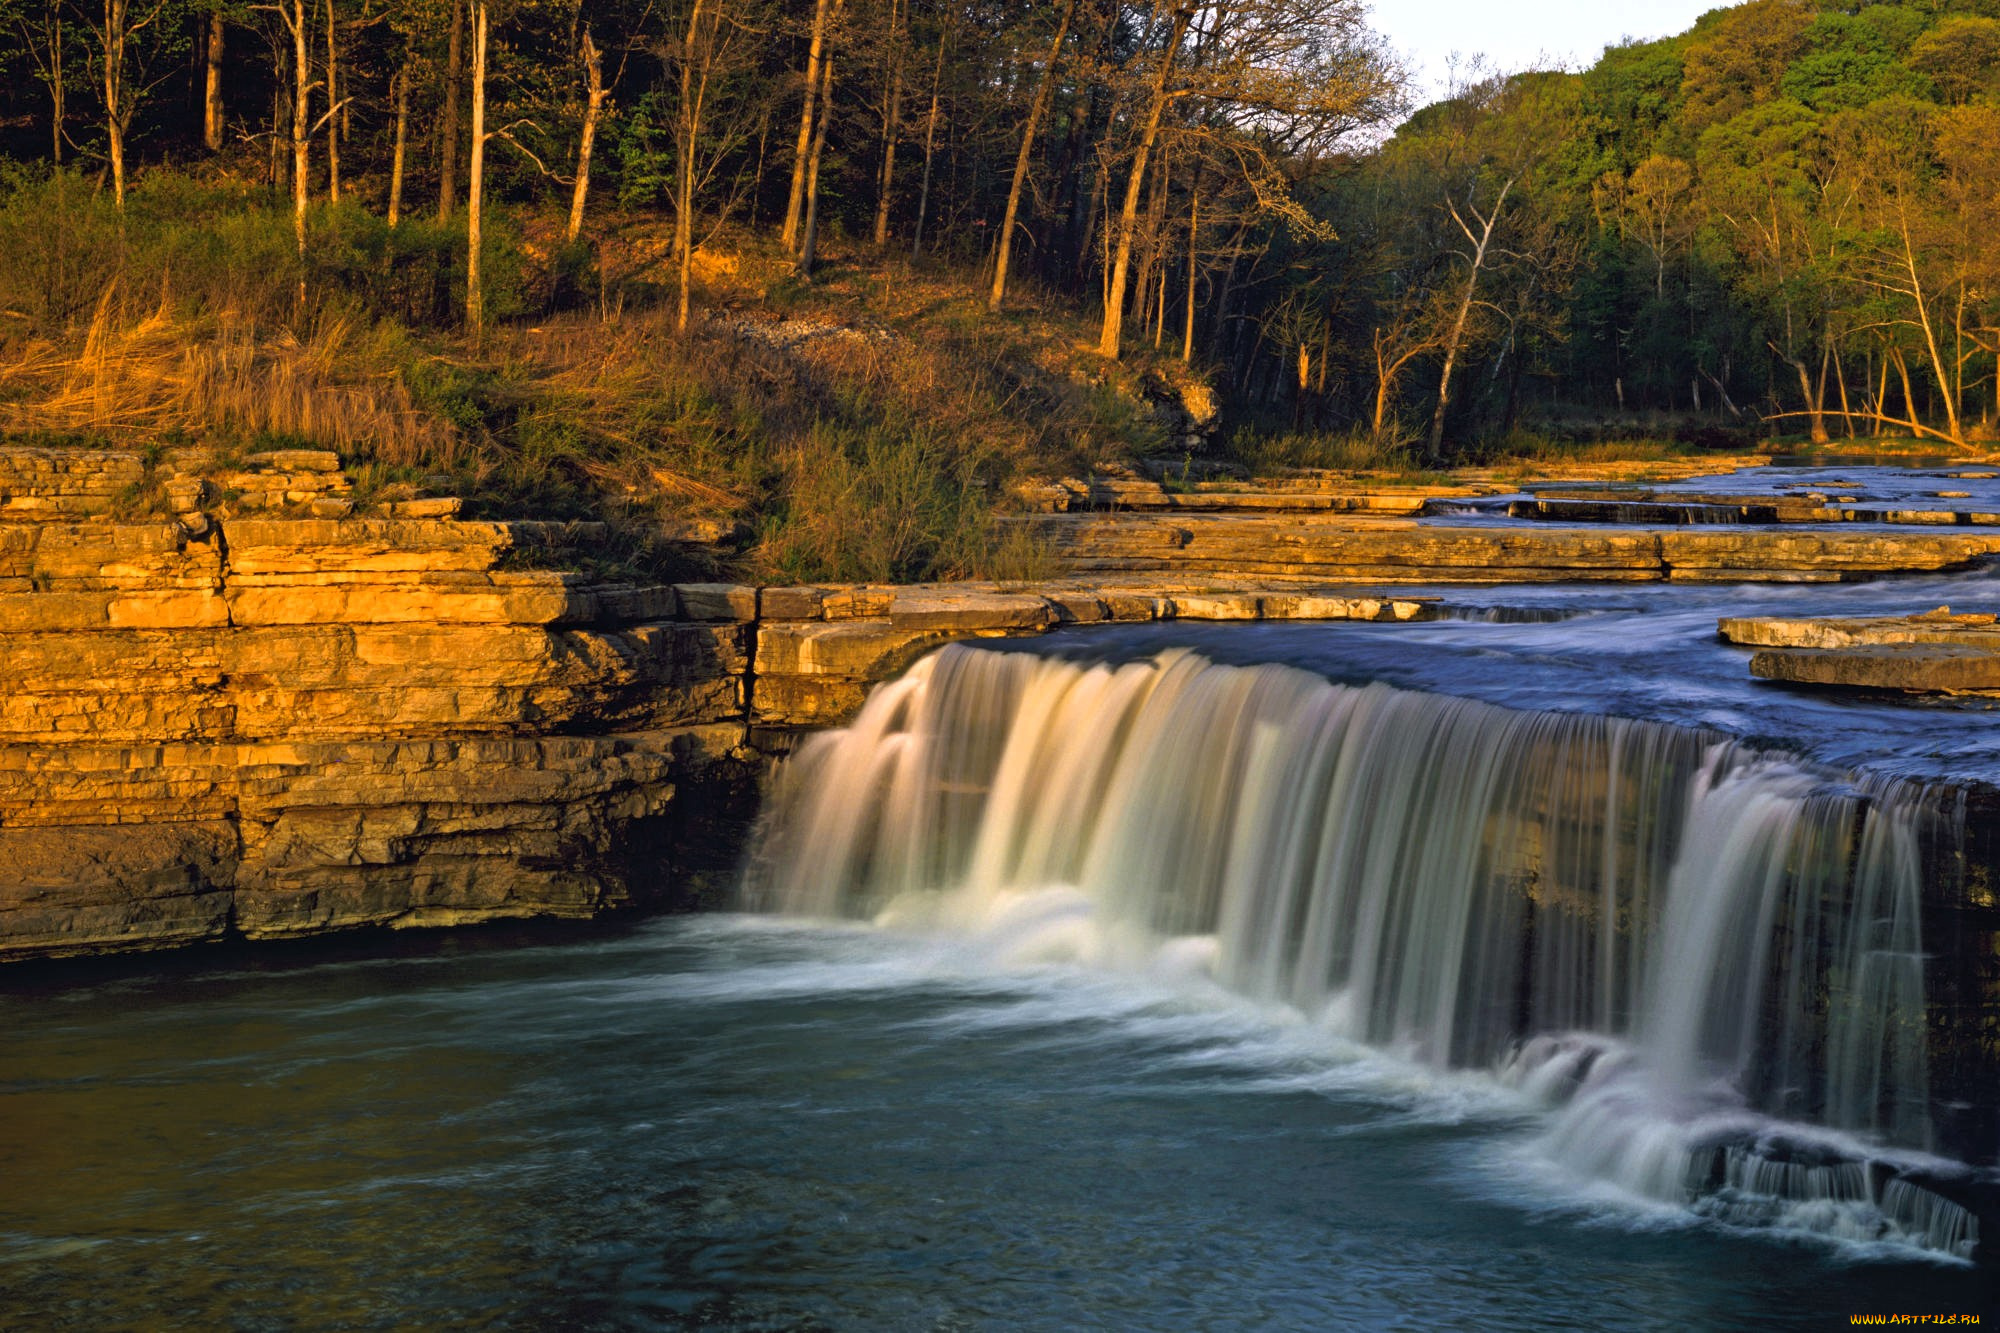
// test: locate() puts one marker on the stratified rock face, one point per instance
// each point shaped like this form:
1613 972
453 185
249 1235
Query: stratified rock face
1934 652
295 726
1325 548
287 726
820 649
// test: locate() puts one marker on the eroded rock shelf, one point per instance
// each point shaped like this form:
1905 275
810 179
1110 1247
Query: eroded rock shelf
250 721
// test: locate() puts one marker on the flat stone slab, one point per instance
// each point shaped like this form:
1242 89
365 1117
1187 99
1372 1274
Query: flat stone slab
1917 668
1933 652
1938 627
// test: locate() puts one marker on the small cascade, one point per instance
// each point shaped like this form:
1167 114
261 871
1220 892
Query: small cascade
1705 959
1515 615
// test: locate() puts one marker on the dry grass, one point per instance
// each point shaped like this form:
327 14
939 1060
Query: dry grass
862 425
146 375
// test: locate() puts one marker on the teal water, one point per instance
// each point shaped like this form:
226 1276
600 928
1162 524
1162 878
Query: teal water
739 1123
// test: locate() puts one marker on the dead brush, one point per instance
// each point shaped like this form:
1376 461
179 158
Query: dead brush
224 376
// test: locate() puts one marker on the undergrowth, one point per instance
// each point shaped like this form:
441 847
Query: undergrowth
862 426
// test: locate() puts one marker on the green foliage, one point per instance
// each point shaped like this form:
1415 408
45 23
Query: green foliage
62 241
645 146
887 502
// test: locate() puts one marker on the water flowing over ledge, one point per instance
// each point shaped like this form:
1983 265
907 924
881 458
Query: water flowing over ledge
1707 961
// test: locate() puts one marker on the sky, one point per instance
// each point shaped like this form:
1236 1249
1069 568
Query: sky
1514 34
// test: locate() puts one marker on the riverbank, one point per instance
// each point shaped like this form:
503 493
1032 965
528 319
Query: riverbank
249 722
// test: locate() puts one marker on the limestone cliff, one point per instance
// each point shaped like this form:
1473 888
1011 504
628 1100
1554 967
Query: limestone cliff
290 726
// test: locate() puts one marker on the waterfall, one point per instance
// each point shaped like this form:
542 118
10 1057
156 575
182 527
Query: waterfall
1705 958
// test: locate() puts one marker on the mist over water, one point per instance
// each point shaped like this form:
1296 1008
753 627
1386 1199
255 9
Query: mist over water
763 1123
1703 961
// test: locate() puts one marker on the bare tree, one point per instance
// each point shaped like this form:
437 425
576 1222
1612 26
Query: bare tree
211 92
45 43
892 116
475 296
333 105
809 233
596 95
400 92
454 78
296 20
1158 95
1036 108
795 203
118 33
930 146
1478 233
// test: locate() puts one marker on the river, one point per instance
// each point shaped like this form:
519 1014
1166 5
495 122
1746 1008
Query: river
1086 1101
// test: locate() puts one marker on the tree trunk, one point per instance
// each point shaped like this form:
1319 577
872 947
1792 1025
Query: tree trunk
1813 412
49 67
892 125
281 120
1930 337
211 92
475 298
757 181
1153 244
593 65
687 138
1846 409
809 240
297 20
1194 230
1109 336
454 80
332 110
930 150
1021 159
397 160
1477 262
815 55
116 115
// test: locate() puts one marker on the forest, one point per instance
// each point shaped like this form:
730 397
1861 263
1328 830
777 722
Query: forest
1779 223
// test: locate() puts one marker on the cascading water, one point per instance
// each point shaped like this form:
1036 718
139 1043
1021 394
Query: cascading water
1705 958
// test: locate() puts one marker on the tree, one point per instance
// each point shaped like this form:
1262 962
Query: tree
1266 82
454 92
1736 57
1040 104
713 68
1769 179
296 19
49 42
475 202
596 95
897 41
1962 56
814 77
211 91
133 41
1658 194
1899 255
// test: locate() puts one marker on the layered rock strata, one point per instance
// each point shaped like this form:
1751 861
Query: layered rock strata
1934 652
293 726
820 649
1332 549
287 726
